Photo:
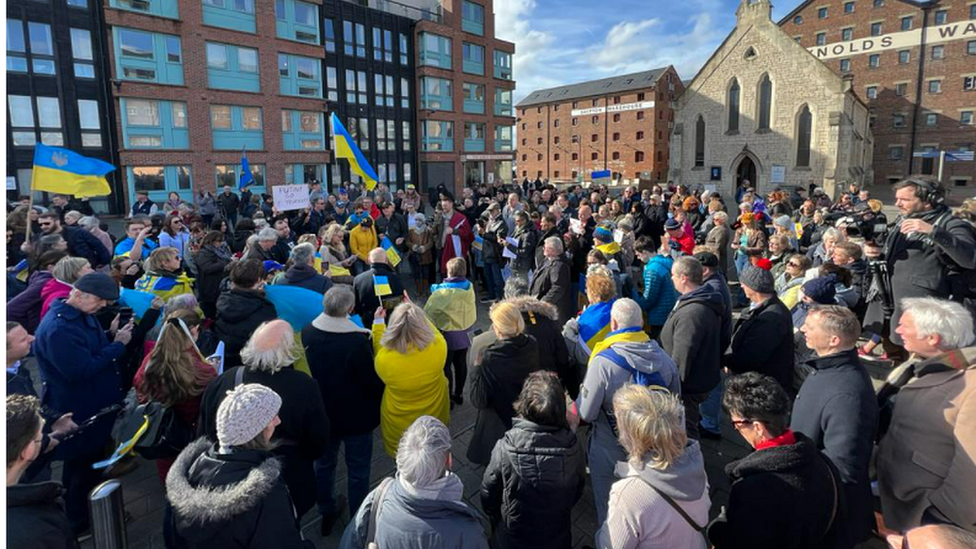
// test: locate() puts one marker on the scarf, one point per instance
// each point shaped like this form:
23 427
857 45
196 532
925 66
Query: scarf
446 488
785 439
625 335
221 251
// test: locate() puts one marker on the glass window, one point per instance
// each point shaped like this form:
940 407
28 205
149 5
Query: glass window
938 52
822 13
348 37
931 119
88 114
91 140
286 121
874 60
404 49
173 52
21 111
377 44
845 65
40 39
846 34
179 114
971 46
216 56
849 7
220 117
797 20
404 93
821 38
81 47
78 3
15 36
332 81
935 86
734 94
280 10
360 40
904 56
699 142
251 118
141 112
282 64
244 6
765 101
48 112
875 29
906 23
940 17
136 44
309 121
305 14
872 92
330 45
307 68
247 60
149 178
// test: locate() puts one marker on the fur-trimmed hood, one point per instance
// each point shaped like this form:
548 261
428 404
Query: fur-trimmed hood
528 304
206 487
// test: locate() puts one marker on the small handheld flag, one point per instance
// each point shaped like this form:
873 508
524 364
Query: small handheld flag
478 243
58 170
247 178
381 286
391 251
338 270
345 147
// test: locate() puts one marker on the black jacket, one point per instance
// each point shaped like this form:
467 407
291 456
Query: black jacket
82 243
229 203
692 337
239 313
281 251
366 300
495 386
762 341
236 500
491 250
791 488
838 410
541 322
525 251
551 284
36 518
302 434
305 276
395 227
342 364
540 245
535 477
211 269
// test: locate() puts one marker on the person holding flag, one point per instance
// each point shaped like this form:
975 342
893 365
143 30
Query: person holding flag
378 282
345 147
393 228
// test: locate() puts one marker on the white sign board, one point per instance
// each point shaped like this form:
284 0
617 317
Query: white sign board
614 108
290 197
896 40
778 174
11 183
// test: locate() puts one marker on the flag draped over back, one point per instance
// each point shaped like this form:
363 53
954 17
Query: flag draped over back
58 170
345 147
594 324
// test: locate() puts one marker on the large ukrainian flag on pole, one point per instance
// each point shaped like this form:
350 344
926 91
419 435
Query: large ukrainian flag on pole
61 171
345 147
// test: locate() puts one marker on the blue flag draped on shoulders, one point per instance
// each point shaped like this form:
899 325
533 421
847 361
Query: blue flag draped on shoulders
296 305
61 171
594 324
345 147
165 286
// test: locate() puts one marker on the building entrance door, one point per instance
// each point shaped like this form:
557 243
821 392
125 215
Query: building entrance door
745 174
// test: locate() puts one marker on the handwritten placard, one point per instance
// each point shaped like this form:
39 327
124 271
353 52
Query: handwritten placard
290 197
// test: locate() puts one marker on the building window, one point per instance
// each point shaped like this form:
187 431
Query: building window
700 142
229 174
971 46
555 123
616 117
229 14
935 86
332 83
898 120
931 119
81 52
148 124
297 21
300 76
382 45
901 89
594 156
938 52
538 141
236 127
503 102
733 105
354 39
330 37
875 29
503 65
896 153
356 81
474 137
940 17
404 49
972 11
906 23
904 57
576 121
472 18
845 65
874 60
765 102
473 58
147 56
160 8
615 156
89 119
847 34
436 94
879 3
821 38
555 140
822 13
871 92
640 136
966 118
160 179
593 138
503 138
798 20
616 136
435 50
41 48
385 94
640 114
232 67
404 93
804 125
849 7
437 136
23 126
385 135
638 156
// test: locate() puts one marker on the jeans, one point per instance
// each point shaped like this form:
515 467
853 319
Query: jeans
602 461
496 285
359 457
741 262
459 359
711 409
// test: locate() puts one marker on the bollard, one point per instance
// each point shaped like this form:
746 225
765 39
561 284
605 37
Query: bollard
107 518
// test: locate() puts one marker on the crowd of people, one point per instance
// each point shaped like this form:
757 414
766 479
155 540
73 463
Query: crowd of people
625 331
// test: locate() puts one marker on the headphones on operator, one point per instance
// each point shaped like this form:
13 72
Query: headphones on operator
930 191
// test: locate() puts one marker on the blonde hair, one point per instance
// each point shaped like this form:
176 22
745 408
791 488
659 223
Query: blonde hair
456 267
159 255
600 287
506 320
67 269
408 326
652 425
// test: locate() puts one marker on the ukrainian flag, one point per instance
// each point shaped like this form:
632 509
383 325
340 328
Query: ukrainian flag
594 324
345 147
381 286
21 271
165 286
339 270
58 170
391 251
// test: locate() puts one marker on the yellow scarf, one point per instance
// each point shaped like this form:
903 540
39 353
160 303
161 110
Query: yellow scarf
637 336
609 249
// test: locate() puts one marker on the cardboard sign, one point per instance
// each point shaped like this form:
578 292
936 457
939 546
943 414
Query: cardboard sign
290 197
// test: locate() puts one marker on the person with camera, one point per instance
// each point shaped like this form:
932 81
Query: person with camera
928 252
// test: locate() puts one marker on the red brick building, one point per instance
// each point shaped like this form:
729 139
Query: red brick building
622 124
915 66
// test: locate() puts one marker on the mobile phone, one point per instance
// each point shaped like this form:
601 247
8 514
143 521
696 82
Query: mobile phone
125 315
107 411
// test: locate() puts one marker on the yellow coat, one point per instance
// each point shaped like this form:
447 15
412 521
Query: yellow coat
415 386
362 241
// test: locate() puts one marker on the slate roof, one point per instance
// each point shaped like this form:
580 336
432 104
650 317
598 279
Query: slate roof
604 86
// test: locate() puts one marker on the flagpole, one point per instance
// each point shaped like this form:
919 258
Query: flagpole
30 205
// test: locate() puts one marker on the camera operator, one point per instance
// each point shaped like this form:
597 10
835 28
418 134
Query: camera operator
923 253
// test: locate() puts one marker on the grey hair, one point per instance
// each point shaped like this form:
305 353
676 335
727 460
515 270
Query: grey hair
720 215
303 254
516 286
88 222
689 267
267 234
555 243
259 222
834 233
422 454
271 360
67 268
626 313
73 213
181 302
408 326
338 301
947 319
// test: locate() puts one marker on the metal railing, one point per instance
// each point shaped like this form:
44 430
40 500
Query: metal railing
432 12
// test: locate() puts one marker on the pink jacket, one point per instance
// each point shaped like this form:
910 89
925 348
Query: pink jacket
54 289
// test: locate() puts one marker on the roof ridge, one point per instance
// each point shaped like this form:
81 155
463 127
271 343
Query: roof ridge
579 89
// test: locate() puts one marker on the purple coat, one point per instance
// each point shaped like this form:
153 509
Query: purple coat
26 307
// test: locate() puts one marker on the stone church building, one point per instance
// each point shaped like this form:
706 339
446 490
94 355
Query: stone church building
763 109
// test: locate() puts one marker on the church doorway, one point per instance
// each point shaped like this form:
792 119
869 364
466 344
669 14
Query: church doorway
745 174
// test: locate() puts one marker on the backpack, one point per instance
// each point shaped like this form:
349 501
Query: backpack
653 379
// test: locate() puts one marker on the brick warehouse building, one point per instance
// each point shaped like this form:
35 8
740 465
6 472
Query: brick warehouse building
621 124
915 66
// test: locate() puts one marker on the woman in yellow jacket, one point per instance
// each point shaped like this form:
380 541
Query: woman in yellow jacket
362 240
409 358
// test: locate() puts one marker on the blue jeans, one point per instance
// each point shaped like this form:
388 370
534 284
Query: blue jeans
711 409
741 262
359 457
496 285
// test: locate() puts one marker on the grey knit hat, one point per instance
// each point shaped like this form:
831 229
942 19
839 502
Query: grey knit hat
758 279
244 413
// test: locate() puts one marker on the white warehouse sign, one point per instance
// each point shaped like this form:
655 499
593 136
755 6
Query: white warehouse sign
614 108
896 40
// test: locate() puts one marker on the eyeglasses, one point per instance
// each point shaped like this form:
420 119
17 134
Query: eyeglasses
741 423
792 264
48 224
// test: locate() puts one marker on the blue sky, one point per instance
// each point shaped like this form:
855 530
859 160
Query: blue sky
560 42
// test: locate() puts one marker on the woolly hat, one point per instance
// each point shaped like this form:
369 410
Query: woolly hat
245 412
783 221
758 279
707 259
603 234
820 289
672 224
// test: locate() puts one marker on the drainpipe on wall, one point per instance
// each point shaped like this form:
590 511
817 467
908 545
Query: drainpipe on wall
918 89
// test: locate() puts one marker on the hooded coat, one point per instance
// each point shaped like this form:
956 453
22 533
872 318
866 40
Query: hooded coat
26 307
659 296
239 313
692 336
305 276
38 513
535 477
211 268
639 517
762 341
235 500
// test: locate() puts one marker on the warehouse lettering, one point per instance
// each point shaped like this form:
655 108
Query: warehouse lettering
907 39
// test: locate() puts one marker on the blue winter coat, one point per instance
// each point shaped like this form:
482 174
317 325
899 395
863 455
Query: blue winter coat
659 295
79 367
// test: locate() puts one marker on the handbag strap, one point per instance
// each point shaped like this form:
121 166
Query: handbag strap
674 505
239 376
374 511
836 490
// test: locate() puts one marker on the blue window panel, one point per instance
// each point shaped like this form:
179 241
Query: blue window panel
474 59
299 76
230 14
435 50
178 179
437 136
299 131
503 138
474 99
297 21
503 65
503 102
436 94
160 8
233 77
238 138
229 174
474 145
148 57
166 134
472 18
474 106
